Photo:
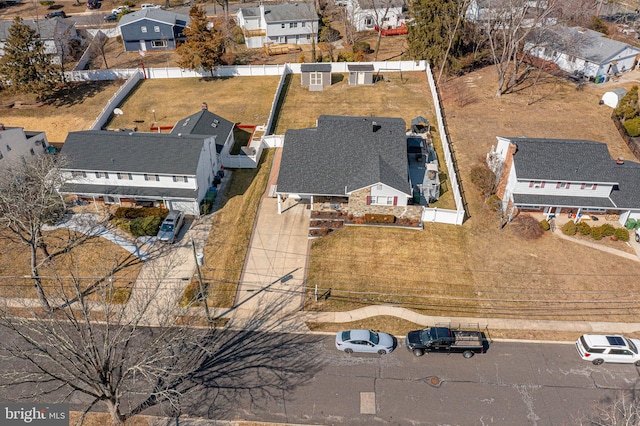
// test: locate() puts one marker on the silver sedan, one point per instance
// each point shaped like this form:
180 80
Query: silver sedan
367 341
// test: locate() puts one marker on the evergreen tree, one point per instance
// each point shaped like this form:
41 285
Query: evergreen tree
205 43
25 66
434 30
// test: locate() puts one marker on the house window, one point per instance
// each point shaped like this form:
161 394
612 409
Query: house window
303 24
125 176
293 25
143 29
572 58
382 201
180 179
77 174
32 151
156 29
589 186
281 25
102 175
39 142
562 185
368 22
158 43
536 184
315 78
152 177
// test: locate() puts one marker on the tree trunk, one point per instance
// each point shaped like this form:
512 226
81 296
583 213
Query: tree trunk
37 282
117 419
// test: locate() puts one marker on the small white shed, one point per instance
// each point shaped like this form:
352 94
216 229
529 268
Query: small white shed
612 97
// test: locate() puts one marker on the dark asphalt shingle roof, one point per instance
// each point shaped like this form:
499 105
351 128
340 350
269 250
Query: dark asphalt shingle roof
104 150
154 14
47 28
562 201
284 12
204 123
360 67
562 160
627 193
129 191
343 154
315 67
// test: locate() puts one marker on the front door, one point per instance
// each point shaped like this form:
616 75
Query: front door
143 46
360 78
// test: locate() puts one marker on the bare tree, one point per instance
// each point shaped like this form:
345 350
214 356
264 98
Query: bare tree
621 410
142 354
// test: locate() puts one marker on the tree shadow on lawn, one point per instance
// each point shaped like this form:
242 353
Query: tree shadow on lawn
74 93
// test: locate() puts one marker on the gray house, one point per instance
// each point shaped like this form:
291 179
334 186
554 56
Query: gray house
152 29
283 23
56 35
360 74
354 164
316 76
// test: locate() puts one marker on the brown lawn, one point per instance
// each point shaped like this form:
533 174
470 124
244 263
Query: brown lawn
477 269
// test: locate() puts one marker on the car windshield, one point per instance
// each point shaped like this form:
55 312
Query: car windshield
166 227
632 346
373 337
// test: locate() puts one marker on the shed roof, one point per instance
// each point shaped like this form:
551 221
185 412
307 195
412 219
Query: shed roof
315 67
360 67
343 154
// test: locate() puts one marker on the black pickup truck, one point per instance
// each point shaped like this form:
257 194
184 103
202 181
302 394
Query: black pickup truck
449 340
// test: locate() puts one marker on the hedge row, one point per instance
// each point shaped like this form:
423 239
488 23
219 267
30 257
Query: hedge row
596 232
136 212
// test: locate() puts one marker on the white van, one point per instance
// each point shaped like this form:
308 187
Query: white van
171 226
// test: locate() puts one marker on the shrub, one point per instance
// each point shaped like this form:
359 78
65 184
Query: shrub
598 25
329 34
483 178
569 228
631 224
607 230
544 223
628 107
238 35
205 207
191 295
361 47
596 232
346 57
123 224
494 203
148 225
379 218
47 2
583 228
632 126
136 212
621 234
527 227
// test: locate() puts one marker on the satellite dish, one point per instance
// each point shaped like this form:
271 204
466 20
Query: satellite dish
118 111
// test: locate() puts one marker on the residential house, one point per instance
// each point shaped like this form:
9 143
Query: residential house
207 124
283 23
558 176
129 168
360 74
56 34
502 13
368 14
356 164
315 76
17 143
582 51
152 29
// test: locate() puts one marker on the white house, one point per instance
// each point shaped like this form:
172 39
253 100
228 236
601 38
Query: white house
367 14
55 34
174 170
524 13
16 143
358 162
580 50
284 23
556 176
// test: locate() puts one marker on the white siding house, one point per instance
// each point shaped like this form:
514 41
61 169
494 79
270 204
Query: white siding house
127 167
367 14
16 143
284 23
55 34
557 176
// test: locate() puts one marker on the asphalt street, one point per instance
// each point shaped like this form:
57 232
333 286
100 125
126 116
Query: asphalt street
303 379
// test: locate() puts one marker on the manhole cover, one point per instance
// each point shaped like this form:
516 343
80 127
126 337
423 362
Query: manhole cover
433 381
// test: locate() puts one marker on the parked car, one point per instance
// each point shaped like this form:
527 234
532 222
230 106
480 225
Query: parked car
121 9
615 348
149 6
111 17
171 226
367 341
94 4
56 14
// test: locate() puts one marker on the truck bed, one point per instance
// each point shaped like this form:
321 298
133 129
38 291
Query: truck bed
467 338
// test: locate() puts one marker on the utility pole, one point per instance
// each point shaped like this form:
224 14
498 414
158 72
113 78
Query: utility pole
206 305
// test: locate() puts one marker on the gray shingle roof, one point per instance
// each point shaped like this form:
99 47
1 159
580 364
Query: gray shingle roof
562 160
155 15
103 150
204 123
562 201
360 67
284 12
343 154
47 28
582 43
627 193
315 67
129 191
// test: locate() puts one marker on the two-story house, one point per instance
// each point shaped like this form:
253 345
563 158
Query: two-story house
356 163
152 29
56 35
555 176
284 23
173 170
17 143
367 15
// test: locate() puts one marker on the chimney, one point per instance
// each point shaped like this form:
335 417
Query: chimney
620 160
205 106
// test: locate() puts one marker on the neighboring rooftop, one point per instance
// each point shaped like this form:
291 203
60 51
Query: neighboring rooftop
155 14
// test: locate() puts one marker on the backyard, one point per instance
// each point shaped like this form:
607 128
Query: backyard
477 269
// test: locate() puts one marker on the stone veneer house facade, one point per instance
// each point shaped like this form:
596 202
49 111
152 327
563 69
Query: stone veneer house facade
353 164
